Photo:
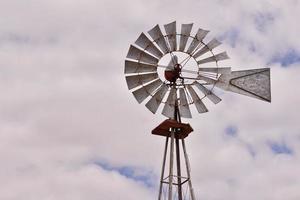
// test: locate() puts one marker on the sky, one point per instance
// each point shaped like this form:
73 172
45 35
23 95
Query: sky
70 129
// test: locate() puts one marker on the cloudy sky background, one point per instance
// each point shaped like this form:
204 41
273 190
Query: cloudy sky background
69 128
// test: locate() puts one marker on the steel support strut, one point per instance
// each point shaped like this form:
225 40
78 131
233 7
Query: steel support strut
174 138
180 180
177 118
163 169
188 170
171 165
178 170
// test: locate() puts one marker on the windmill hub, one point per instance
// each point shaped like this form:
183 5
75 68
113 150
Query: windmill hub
173 74
173 66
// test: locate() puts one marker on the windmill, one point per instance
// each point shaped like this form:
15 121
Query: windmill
176 70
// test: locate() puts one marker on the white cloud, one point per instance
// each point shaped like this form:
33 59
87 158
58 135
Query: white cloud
64 101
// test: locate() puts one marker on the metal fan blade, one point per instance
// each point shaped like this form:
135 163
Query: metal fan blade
137 54
218 57
253 83
173 61
157 98
169 108
184 108
208 47
158 37
171 34
135 67
185 33
201 108
137 80
210 95
218 70
207 79
142 93
200 35
145 43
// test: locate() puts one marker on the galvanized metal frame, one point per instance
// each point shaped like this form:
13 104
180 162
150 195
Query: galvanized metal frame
174 141
190 55
141 80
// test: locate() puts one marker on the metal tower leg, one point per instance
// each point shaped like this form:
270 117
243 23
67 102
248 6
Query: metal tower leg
173 187
188 170
178 170
178 118
163 169
171 165
174 132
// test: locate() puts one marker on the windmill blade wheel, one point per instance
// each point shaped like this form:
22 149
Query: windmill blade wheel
173 66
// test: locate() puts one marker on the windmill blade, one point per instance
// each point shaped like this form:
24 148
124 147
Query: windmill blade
253 83
142 93
184 108
157 98
210 95
137 54
218 70
158 37
208 47
200 35
184 36
171 34
218 57
207 79
201 108
169 108
173 61
137 80
135 67
145 43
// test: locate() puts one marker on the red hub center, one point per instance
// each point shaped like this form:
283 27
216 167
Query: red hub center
173 74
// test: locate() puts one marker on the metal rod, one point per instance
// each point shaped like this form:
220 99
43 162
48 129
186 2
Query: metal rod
183 70
177 118
178 170
171 165
188 170
172 153
163 169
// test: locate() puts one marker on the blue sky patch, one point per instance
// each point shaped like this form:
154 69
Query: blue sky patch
288 58
231 130
232 36
21 39
145 176
280 148
15 38
263 20
251 150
